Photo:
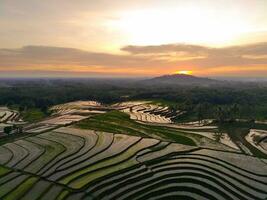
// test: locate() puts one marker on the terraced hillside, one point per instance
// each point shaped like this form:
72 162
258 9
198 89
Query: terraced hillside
258 139
7 115
235 136
8 118
129 150
144 111
66 114
77 107
70 163
118 122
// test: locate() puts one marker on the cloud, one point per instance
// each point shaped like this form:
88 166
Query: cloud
190 49
139 60
251 49
47 55
203 56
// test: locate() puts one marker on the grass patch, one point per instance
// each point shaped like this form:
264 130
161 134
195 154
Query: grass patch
33 115
14 137
21 189
52 150
186 117
3 170
113 164
63 195
118 122
160 102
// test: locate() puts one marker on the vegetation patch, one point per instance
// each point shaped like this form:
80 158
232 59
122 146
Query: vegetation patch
21 189
33 115
118 122
237 131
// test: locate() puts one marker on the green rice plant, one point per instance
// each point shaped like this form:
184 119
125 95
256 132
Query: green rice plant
71 143
19 154
21 189
4 171
118 122
118 162
104 141
35 151
9 185
52 150
37 190
63 195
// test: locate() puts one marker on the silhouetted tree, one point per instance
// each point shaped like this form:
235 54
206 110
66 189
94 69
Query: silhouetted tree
8 129
218 135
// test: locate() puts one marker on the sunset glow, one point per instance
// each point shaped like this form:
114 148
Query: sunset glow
142 27
133 38
184 72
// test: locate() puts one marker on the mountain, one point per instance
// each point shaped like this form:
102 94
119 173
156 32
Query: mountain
181 79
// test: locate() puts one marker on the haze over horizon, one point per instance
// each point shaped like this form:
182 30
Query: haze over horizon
141 38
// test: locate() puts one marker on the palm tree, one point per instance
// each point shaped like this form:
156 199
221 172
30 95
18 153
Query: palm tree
218 135
220 114
200 112
234 112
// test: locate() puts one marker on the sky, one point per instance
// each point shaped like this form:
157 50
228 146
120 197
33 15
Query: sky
133 38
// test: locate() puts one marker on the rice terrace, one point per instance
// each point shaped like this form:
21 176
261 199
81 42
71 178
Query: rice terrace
128 150
133 100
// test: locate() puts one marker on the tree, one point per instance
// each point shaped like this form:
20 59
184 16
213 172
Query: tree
8 129
218 135
200 112
234 112
219 114
44 109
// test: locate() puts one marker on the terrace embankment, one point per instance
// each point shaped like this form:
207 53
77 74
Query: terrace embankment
113 155
72 163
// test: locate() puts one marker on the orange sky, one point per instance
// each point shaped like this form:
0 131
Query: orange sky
133 38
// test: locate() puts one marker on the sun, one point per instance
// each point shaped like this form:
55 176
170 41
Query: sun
188 24
185 72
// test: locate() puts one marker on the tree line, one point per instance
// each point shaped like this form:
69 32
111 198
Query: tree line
221 103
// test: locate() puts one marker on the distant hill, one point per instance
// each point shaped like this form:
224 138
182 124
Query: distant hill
181 79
